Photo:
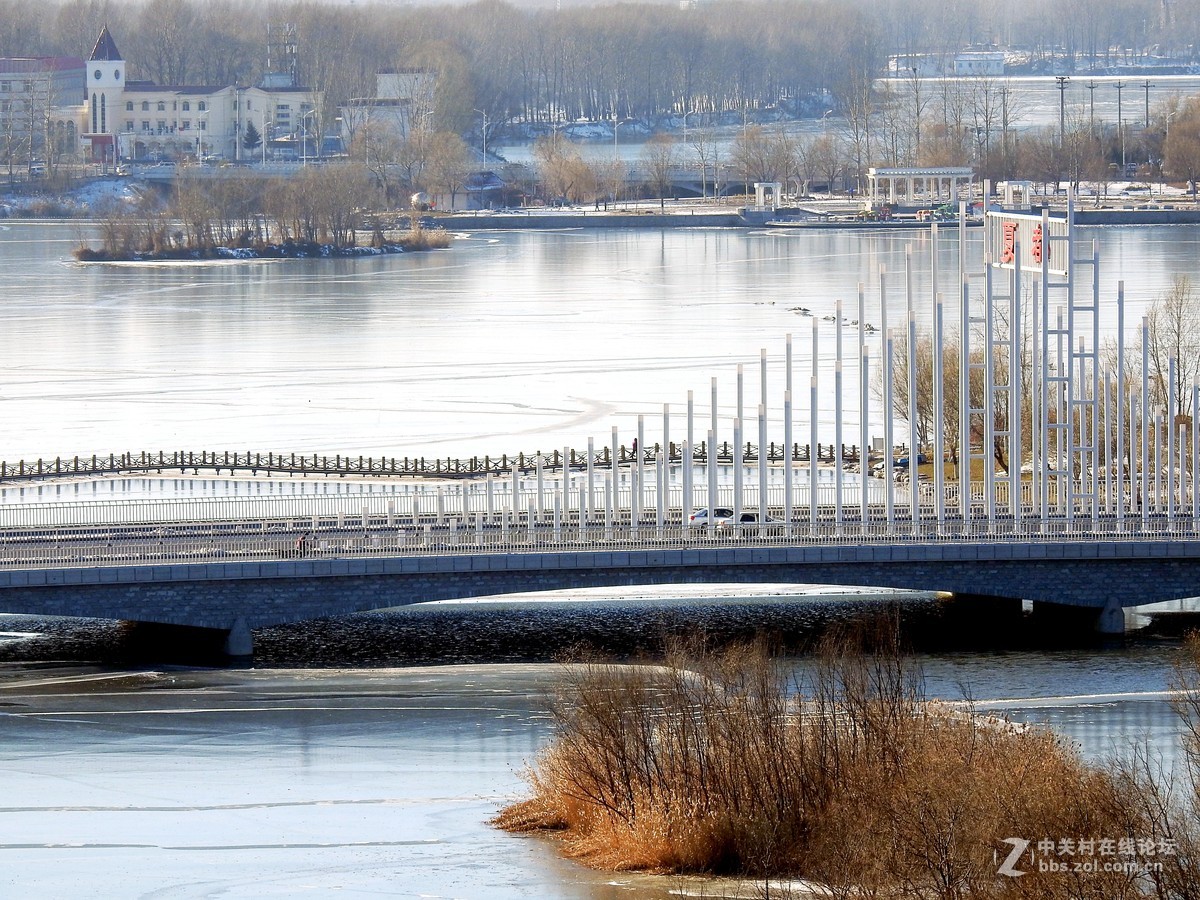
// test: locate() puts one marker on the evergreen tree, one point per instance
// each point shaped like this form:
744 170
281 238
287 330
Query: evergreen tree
251 140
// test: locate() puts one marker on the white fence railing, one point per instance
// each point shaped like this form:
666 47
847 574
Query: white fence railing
339 536
615 498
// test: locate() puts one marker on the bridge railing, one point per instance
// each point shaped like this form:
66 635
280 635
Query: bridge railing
528 494
184 462
184 543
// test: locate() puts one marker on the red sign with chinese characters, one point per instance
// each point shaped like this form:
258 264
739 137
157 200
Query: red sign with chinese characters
1009 244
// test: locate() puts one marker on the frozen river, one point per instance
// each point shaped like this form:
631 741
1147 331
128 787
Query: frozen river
363 777
380 781
504 343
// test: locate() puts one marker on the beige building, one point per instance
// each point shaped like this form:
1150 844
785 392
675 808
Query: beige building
142 120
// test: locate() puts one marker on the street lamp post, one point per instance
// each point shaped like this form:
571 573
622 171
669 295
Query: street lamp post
825 121
304 137
202 122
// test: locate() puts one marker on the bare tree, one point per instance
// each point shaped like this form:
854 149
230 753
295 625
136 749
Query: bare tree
449 164
660 158
1174 334
704 144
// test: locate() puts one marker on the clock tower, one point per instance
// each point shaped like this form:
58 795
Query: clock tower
105 85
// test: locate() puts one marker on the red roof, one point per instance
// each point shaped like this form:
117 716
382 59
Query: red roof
34 64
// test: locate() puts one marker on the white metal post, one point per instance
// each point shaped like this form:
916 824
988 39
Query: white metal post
711 503
837 421
541 499
788 438
616 469
590 506
1172 411
889 414
739 460
939 425
763 504
639 476
1145 422
787 471
864 469
812 426
1122 393
565 487
914 455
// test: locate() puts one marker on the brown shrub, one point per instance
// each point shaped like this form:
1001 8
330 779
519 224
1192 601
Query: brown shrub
718 763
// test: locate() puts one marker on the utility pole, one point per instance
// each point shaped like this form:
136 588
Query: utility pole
1120 86
1146 86
1062 108
1091 86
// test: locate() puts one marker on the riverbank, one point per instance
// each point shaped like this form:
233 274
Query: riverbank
687 214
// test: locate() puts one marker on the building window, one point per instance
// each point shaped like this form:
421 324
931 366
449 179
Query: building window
5 85
129 124
162 125
145 125
187 106
200 106
145 106
128 106
185 125
162 106
283 106
203 125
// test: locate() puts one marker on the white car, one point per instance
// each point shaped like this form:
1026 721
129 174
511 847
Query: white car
723 519
720 514
749 521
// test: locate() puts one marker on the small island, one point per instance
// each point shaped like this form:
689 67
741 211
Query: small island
324 212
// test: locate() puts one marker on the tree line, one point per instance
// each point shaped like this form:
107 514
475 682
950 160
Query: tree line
601 62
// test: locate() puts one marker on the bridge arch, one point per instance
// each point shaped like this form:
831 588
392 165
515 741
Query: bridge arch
237 597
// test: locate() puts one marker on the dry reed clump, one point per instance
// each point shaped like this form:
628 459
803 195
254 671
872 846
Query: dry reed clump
718 763
419 238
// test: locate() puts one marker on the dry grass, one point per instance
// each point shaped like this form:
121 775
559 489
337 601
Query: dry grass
716 763
418 238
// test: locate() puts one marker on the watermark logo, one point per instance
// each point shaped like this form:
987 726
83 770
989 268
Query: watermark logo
1008 867
1127 855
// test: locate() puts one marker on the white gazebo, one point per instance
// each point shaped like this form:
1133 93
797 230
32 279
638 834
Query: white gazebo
933 184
